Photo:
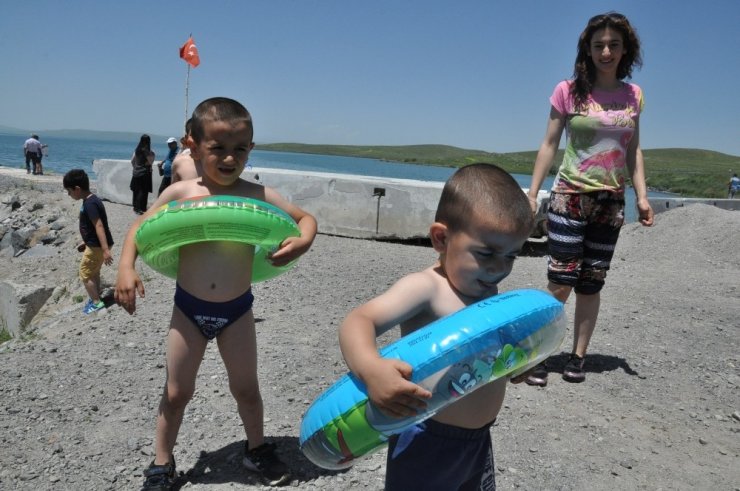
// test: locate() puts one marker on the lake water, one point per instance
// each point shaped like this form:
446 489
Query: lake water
68 153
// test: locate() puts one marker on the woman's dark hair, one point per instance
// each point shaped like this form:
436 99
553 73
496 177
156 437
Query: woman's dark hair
584 71
143 148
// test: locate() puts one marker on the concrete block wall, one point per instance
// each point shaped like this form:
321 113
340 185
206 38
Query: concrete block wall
347 205
358 206
660 205
114 178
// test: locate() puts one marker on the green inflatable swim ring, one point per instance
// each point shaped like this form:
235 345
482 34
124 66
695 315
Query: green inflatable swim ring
215 218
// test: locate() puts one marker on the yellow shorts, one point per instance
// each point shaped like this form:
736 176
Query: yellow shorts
92 261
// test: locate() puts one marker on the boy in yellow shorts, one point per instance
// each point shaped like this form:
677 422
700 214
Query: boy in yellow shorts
96 237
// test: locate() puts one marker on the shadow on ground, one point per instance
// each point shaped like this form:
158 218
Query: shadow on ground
534 248
595 363
224 465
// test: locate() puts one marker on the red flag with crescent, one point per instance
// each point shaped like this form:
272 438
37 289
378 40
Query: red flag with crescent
189 53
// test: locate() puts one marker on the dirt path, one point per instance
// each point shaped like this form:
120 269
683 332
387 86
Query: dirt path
660 408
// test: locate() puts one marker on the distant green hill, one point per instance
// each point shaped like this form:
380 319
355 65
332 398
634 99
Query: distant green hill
685 171
444 155
9 130
124 136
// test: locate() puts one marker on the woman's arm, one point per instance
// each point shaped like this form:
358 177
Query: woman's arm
636 168
546 154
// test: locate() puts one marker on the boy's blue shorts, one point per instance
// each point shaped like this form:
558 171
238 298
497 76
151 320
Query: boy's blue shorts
435 456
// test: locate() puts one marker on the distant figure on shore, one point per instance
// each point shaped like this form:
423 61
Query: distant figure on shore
601 114
44 153
141 174
184 167
32 149
165 166
96 236
733 187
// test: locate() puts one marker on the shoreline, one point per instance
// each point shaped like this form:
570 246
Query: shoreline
51 181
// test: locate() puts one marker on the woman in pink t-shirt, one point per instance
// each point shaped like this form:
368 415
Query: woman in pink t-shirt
600 114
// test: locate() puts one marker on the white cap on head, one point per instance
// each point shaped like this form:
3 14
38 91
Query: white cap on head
171 140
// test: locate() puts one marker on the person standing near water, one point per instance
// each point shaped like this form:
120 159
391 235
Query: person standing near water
165 166
600 113
141 174
32 153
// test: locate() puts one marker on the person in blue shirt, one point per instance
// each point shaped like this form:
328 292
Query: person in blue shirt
733 187
96 236
165 166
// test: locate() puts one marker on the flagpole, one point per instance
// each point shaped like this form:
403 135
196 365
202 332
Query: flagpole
187 88
189 53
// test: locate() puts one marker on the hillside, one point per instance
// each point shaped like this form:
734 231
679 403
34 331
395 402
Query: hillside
688 172
78 134
685 171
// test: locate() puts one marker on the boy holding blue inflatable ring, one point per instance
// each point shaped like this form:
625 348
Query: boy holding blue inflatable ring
213 296
483 219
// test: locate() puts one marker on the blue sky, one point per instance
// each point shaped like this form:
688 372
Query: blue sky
473 74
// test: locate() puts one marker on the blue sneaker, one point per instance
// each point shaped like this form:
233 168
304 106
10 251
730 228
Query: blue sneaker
91 307
87 305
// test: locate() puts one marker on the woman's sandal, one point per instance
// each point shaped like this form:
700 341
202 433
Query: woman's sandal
573 371
538 376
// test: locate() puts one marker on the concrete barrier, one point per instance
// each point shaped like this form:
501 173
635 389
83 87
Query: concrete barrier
114 178
343 204
19 304
660 205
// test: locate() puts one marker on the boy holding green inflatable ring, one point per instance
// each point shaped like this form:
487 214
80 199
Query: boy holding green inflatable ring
483 219
213 298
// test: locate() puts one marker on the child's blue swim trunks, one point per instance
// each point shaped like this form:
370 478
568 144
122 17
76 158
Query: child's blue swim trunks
212 317
438 457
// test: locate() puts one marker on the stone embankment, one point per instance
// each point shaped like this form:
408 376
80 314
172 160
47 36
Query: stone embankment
37 229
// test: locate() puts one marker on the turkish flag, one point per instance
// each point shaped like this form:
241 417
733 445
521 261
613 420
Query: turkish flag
189 53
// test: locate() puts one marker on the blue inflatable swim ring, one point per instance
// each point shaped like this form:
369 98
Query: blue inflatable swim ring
501 336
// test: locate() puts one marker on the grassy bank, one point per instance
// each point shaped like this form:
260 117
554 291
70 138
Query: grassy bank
688 172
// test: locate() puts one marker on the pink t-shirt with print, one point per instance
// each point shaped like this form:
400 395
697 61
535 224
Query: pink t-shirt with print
597 138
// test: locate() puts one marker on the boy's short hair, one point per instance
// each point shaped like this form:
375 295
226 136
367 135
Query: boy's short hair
75 178
218 109
485 191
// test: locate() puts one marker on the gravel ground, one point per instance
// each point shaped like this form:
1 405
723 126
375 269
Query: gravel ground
660 408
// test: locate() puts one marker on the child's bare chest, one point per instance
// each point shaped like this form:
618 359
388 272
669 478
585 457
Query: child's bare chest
216 271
